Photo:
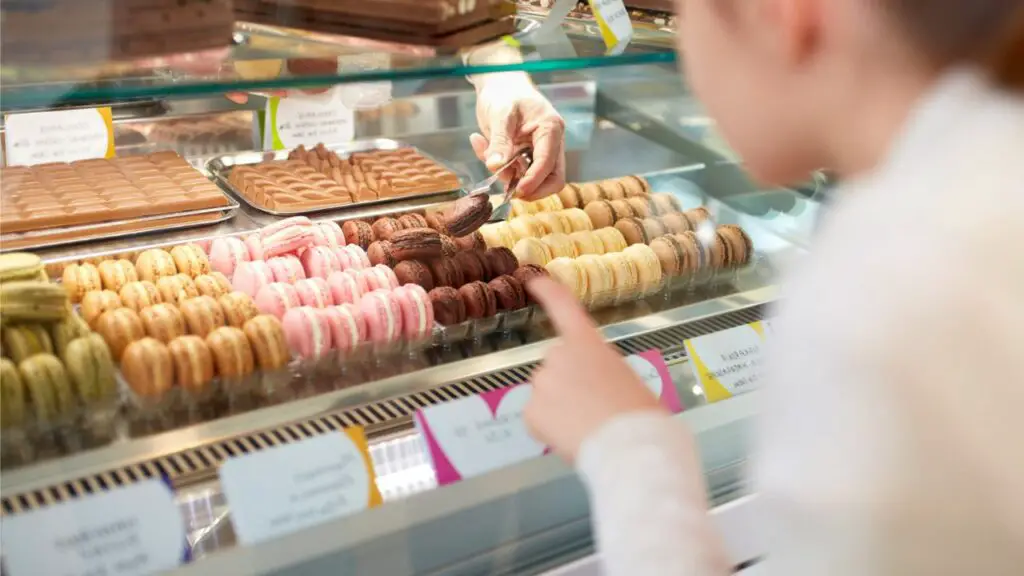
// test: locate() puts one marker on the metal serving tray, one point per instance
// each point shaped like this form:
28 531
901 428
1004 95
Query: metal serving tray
102 230
221 166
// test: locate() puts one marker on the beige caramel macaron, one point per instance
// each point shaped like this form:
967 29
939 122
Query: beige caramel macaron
140 294
116 273
664 203
232 353
193 362
569 274
671 255
612 239
647 265
202 315
586 242
622 209
625 276
190 260
675 222
591 192
570 196
601 214
147 367
612 189
177 288
268 342
213 284
635 185
741 248
600 279
238 308
697 216
95 303
78 279
154 264
163 322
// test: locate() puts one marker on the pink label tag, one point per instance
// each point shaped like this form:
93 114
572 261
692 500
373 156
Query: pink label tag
651 368
472 436
475 435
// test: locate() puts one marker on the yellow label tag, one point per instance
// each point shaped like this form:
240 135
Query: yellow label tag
727 363
58 136
613 21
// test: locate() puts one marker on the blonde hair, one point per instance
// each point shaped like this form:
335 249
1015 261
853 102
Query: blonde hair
985 32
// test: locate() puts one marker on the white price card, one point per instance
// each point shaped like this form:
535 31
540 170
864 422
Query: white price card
727 363
59 136
130 531
288 488
475 435
308 119
613 21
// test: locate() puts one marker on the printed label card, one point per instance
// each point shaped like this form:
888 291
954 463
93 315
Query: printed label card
472 436
613 20
308 119
287 488
727 363
58 136
134 530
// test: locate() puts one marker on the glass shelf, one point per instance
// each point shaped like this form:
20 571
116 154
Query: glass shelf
265 58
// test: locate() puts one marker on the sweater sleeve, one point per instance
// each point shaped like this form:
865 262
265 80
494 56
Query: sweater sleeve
648 500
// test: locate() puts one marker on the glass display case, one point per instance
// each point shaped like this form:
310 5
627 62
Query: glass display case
626 115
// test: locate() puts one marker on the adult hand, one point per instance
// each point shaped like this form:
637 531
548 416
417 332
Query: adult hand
583 383
514 114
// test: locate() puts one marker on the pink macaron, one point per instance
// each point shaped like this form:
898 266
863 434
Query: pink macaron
271 229
319 262
226 253
344 287
417 311
382 315
254 244
357 257
347 326
379 277
314 292
289 239
204 244
307 331
328 234
251 276
287 269
277 298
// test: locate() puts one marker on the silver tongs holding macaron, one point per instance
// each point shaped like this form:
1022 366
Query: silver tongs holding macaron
472 211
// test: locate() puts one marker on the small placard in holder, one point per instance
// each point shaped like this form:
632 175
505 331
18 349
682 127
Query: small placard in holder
613 21
129 531
58 136
287 488
307 119
651 368
727 363
472 436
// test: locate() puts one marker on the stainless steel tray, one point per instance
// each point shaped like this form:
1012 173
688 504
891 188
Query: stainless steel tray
221 166
101 230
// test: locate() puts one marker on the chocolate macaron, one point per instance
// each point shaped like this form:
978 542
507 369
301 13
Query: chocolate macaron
446 272
448 305
381 252
358 232
501 261
413 220
510 292
385 227
416 244
524 274
468 214
414 272
474 241
480 300
473 266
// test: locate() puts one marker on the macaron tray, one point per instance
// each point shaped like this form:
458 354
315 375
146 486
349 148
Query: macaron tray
59 203
322 178
614 241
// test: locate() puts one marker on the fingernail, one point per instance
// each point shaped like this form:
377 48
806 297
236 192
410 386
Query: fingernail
495 158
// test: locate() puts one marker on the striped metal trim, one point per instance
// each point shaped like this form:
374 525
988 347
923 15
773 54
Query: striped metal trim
201 463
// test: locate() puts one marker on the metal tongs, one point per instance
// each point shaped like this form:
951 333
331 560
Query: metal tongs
522 160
